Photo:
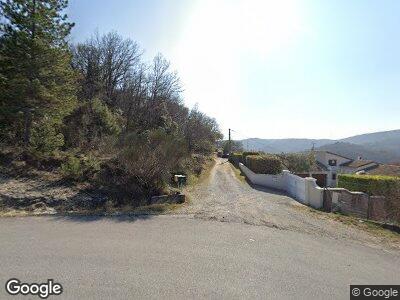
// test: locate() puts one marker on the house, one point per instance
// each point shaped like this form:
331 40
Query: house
335 163
319 172
388 170
329 164
358 165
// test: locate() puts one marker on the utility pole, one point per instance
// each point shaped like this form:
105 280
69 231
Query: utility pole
229 142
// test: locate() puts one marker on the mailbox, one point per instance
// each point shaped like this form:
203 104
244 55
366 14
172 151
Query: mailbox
180 179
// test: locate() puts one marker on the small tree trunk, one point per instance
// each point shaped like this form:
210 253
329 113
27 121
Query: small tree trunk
27 127
27 111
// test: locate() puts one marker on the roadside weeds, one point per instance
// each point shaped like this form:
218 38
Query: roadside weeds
108 209
387 236
238 173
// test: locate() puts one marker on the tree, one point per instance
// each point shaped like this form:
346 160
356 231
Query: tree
105 63
202 132
298 162
88 124
235 146
37 82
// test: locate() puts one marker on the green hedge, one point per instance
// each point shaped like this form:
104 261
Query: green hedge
247 153
375 185
240 157
370 184
235 158
264 164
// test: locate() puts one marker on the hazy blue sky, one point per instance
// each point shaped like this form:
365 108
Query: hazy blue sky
270 69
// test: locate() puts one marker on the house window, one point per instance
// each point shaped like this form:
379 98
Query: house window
332 162
333 176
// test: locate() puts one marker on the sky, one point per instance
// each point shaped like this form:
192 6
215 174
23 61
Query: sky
269 69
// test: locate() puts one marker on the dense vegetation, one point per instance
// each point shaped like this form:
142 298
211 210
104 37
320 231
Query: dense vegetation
376 185
95 108
294 162
264 164
299 162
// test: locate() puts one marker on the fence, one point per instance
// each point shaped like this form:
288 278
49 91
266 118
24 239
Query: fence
305 190
355 203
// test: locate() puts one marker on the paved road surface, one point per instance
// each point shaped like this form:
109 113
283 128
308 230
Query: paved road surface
190 255
180 257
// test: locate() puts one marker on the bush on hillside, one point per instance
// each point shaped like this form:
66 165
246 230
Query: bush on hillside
375 185
80 167
45 138
193 165
151 156
264 164
89 123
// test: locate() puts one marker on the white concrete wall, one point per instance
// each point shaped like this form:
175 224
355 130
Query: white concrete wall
296 187
304 190
315 194
271 181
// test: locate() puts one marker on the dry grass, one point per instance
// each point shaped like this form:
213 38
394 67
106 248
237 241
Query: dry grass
375 229
207 167
153 209
109 208
238 173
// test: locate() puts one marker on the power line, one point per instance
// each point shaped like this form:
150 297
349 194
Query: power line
253 139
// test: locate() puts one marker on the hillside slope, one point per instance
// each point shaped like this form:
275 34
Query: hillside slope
379 146
283 145
391 136
353 151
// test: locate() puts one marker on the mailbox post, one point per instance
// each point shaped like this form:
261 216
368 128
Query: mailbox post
180 180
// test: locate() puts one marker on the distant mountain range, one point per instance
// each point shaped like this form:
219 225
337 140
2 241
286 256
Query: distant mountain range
381 147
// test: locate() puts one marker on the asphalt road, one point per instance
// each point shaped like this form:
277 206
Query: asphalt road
233 251
181 257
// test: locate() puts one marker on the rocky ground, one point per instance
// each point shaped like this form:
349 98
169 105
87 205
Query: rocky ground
44 193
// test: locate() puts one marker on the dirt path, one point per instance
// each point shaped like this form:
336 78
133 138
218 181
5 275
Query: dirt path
225 198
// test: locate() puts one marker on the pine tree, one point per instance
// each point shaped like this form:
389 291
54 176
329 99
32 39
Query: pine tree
37 82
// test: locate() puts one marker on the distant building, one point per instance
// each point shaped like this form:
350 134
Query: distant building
359 165
334 164
330 164
388 170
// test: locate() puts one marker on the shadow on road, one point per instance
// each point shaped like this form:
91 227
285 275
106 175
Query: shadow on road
262 188
265 189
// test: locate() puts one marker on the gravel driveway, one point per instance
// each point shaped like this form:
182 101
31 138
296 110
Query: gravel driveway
223 197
